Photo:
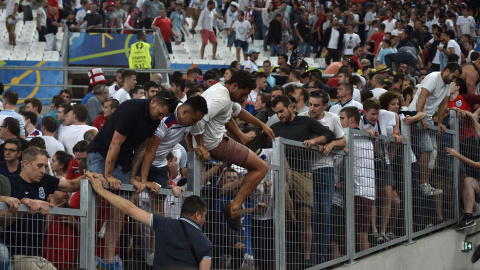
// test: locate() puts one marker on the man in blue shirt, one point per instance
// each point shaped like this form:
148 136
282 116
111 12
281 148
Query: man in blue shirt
386 50
10 99
172 247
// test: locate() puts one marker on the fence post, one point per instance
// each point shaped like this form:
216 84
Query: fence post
279 191
349 198
407 176
87 226
455 125
194 178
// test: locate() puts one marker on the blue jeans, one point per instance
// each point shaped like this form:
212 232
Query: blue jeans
305 48
4 257
324 188
275 49
96 163
400 57
231 39
264 31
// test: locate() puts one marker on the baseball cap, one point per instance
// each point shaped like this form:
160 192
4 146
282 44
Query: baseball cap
253 51
111 3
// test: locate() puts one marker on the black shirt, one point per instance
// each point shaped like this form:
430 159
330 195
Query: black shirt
93 19
132 120
24 146
304 30
301 128
51 29
25 236
4 169
274 32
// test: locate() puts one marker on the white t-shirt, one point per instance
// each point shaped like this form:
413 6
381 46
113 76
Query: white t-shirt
70 135
357 96
351 103
112 90
251 65
231 17
206 19
333 42
385 119
121 95
457 49
43 16
252 97
377 92
350 41
170 132
332 122
173 205
390 26
220 110
434 84
53 145
397 32
466 24
10 6
450 25
363 167
241 30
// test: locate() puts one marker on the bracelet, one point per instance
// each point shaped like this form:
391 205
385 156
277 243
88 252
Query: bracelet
396 132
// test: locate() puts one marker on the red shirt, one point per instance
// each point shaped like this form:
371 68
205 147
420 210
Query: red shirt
73 170
333 82
355 59
99 122
464 102
165 25
130 22
378 38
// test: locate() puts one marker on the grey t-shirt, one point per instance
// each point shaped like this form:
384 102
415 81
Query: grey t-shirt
5 189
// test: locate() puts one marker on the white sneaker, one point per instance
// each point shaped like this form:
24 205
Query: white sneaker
428 190
150 259
101 233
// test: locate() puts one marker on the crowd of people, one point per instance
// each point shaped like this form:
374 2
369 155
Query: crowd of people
387 63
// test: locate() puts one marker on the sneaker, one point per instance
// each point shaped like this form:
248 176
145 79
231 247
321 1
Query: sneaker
378 238
428 190
476 254
101 233
465 223
192 31
391 236
150 259
476 207
114 265
385 237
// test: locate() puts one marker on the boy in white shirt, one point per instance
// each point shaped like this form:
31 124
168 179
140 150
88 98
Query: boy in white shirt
243 30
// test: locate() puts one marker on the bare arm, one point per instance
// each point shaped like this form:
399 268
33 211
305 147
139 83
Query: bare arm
205 264
112 155
462 158
442 109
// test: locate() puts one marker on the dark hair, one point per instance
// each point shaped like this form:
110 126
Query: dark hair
66 91
167 98
38 142
387 97
11 97
135 90
453 67
382 27
261 75
49 123
80 111
180 82
453 58
285 70
450 33
315 74
15 141
353 65
140 34
397 77
30 116
371 103
120 70
296 73
113 103
243 79
352 112
348 86
63 158
190 85
284 56
128 73
13 125
66 107
317 84
462 85
305 93
35 103
192 92
57 101
285 100
197 104
289 89
292 99
294 43
407 91
321 94
193 204
150 84
365 94
80 146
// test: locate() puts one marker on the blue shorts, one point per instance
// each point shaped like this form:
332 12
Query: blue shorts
428 138
96 163
231 39
158 175
241 44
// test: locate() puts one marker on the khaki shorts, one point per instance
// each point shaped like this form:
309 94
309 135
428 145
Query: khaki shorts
10 26
229 150
193 13
301 185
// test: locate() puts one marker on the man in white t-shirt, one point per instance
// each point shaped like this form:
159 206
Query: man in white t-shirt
49 126
129 78
117 84
261 81
205 22
377 82
344 94
243 30
345 77
250 64
466 23
351 40
376 122
452 46
390 22
435 92
470 47
363 176
209 136
323 167
70 135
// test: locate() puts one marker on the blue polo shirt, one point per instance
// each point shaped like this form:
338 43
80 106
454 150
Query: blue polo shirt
25 236
171 246
4 169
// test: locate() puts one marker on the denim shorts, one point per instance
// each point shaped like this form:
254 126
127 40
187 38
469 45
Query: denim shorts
428 138
241 44
231 39
96 163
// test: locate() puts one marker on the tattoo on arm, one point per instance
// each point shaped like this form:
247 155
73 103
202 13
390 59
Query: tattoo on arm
137 158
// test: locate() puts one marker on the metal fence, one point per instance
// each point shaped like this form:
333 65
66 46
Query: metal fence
309 212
